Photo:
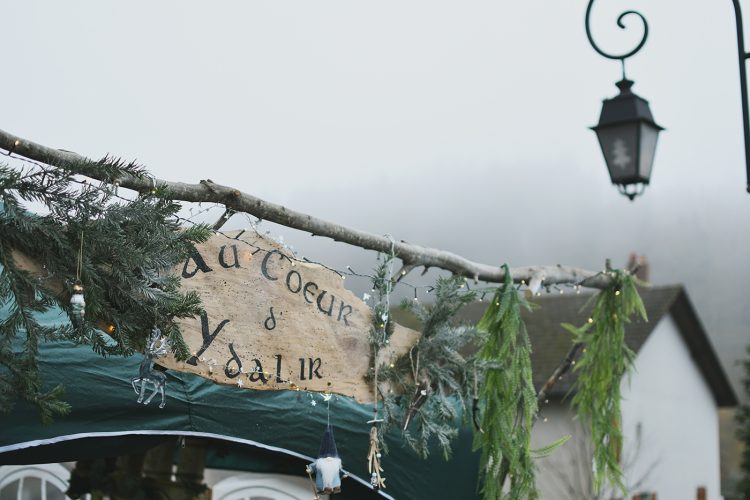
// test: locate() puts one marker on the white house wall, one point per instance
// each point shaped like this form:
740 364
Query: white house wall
566 473
670 421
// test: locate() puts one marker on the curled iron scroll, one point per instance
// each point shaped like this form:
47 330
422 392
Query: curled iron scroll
621 24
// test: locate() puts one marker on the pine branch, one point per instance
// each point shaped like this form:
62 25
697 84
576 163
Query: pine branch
133 177
431 382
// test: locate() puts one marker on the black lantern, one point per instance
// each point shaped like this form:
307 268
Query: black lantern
627 135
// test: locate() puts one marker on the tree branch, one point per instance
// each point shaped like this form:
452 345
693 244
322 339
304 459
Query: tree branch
561 370
208 191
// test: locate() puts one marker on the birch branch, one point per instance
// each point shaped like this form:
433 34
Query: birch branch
208 191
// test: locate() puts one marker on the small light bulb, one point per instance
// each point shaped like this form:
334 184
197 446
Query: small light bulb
591 320
546 419
617 292
17 142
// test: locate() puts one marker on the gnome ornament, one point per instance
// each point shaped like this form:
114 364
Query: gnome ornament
327 468
77 305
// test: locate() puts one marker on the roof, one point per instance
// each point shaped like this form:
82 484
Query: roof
550 342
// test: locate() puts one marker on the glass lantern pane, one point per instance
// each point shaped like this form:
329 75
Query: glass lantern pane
649 135
620 147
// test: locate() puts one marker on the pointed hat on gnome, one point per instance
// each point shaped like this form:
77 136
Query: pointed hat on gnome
328 445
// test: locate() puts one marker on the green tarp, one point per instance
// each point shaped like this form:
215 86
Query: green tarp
261 431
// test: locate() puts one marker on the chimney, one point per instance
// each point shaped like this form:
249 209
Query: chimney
640 264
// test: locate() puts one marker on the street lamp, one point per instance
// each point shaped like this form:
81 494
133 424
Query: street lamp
627 132
627 135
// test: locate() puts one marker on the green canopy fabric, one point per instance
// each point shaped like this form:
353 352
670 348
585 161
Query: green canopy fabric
261 431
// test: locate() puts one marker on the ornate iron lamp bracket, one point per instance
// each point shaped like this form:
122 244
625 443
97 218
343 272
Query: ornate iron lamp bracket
621 24
742 57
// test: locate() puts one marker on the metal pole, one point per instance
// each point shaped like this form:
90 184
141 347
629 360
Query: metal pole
742 56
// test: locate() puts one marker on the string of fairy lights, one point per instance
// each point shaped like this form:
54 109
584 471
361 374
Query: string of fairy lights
112 191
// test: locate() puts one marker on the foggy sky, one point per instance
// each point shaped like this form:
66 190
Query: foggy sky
458 125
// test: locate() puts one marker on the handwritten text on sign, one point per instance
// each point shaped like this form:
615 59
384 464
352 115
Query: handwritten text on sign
272 322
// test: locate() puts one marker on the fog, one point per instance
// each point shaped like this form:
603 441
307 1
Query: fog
457 125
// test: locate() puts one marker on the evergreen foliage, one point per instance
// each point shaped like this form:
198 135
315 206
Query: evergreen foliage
427 388
129 249
743 433
604 362
434 380
508 399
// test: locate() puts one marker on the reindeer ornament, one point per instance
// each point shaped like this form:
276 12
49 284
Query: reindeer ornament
156 347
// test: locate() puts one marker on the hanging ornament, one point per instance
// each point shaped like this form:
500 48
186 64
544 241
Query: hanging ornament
77 305
327 468
373 455
156 347
373 461
77 302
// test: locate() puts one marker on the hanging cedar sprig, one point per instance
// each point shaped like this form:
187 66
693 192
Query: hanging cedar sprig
508 399
604 362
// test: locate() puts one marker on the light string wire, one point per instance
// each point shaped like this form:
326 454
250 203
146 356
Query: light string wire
111 191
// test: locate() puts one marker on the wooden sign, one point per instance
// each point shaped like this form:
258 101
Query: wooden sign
272 322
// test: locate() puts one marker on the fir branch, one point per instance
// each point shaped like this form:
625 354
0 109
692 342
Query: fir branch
129 251
429 385
508 399
605 360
